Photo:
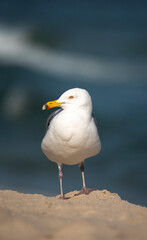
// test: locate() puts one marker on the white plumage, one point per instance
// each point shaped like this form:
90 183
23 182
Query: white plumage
72 134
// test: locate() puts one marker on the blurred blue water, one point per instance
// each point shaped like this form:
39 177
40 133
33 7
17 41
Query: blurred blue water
107 33
122 116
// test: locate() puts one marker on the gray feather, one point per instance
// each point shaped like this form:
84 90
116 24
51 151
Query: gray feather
95 121
51 116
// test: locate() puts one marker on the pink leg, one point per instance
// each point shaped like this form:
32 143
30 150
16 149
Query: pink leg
61 177
84 189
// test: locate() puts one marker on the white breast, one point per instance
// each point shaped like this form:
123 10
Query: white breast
71 138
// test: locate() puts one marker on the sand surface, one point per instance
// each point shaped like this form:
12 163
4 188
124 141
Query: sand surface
99 215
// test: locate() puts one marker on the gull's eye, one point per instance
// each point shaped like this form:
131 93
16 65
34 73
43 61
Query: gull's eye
70 97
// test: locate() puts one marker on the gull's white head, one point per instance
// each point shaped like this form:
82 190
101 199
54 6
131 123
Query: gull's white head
73 98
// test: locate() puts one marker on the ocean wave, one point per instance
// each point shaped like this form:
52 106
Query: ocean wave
15 49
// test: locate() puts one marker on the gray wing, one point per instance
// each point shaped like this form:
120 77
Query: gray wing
51 116
95 121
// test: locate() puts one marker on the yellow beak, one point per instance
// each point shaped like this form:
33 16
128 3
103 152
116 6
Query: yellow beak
51 104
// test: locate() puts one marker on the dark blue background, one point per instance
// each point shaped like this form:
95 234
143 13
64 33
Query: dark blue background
47 47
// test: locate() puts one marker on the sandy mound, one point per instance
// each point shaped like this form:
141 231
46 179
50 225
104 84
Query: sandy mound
99 215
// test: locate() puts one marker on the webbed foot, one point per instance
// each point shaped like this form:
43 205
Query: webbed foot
85 190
